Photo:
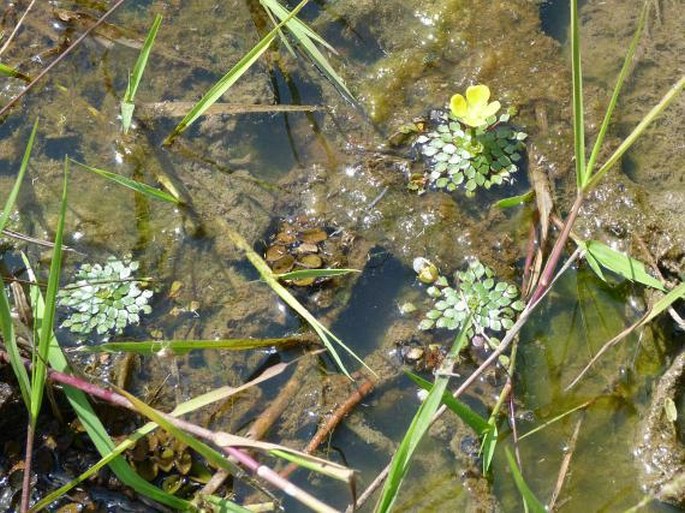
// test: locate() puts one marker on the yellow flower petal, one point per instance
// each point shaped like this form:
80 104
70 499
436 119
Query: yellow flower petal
477 95
458 106
491 109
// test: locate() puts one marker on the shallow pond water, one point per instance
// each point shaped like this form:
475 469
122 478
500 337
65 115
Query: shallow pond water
334 164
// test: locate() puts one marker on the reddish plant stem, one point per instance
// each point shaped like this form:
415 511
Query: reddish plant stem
555 255
28 459
216 438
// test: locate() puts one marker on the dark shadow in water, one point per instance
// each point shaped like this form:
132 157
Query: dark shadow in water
372 306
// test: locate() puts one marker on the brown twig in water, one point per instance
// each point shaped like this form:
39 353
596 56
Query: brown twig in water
16 29
333 420
66 52
565 463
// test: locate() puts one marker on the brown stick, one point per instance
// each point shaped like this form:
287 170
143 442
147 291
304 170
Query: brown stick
565 463
332 422
267 419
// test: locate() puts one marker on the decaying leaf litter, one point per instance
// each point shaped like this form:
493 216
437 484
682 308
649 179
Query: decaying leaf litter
339 185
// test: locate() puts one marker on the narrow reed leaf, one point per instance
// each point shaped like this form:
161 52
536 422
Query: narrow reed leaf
418 428
531 502
617 89
621 264
665 101
219 460
307 39
660 306
327 338
45 322
472 419
592 262
314 273
8 71
514 201
12 198
487 448
230 78
132 184
184 346
556 419
10 340
578 115
127 104
318 465
6 321
89 420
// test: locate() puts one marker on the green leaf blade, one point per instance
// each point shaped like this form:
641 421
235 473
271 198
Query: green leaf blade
132 184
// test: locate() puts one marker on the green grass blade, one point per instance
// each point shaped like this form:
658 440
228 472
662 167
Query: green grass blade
314 273
11 72
514 201
673 295
665 101
12 198
184 346
487 448
8 336
127 105
621 264
318 465
6 321
90 421
131 184
417 429
230 78
308 39
46 321
617 89
530 501
327 338
578 115
472 419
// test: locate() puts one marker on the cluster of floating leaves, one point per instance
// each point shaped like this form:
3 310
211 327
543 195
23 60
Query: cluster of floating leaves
493 304
300 244
105 298
160 453
461 156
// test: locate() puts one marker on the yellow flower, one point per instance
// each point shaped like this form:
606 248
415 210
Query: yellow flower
474 109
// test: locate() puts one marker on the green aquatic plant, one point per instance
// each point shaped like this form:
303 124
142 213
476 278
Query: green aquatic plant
105 298
492 305
469 146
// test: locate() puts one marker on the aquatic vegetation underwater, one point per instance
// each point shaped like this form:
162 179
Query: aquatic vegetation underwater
466 146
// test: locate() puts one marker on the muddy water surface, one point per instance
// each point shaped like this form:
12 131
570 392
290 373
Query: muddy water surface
334 165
